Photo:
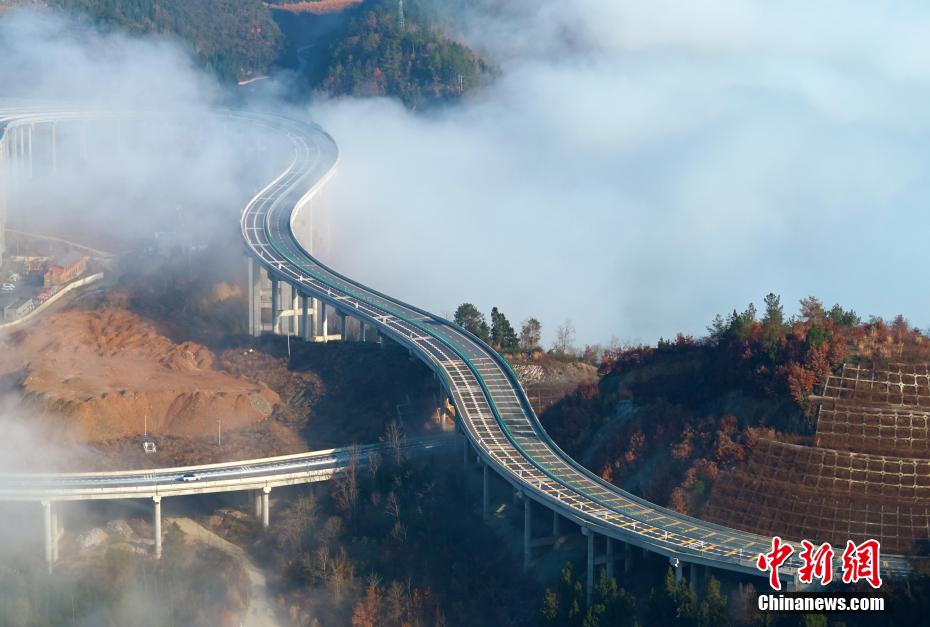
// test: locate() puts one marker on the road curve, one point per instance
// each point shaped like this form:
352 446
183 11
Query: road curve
494 411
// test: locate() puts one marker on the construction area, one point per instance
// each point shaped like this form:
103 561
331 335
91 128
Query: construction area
867 476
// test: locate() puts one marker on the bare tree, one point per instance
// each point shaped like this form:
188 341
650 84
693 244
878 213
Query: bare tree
347 483
374 464
395 439
293 525
565 338
530 334
341 573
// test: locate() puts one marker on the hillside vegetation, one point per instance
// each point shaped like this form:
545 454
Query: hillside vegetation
416 62
237 39
664 420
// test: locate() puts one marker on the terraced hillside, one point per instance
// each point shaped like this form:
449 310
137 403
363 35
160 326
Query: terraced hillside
868 476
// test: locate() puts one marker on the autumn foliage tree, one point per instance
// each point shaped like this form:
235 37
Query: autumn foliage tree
681 432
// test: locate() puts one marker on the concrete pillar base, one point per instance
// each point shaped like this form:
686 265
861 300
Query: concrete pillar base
589 574
157 520
265 506
47 514
485 496
527 531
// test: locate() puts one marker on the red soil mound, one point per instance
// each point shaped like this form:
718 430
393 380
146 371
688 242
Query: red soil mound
109 369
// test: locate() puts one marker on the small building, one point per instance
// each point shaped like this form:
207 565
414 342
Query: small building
65 268
17 308
148 444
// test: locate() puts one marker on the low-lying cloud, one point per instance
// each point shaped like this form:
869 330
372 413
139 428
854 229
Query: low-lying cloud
640 167
635 167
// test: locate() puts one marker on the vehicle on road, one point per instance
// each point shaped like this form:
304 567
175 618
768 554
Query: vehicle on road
190 476
8 287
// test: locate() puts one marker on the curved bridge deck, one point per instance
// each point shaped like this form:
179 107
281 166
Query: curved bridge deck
494 411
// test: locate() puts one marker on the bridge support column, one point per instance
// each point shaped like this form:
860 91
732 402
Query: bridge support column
47 511
31 127
304 317
589 574
676 565
295 304
257 502
54 138
265 513
275 297
627 559
255 298
527 531
610 556
692 580
56 534
465 450
320 326
344 326
556 526
485 496
156 517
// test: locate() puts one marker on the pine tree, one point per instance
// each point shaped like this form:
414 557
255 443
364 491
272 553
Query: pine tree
469 318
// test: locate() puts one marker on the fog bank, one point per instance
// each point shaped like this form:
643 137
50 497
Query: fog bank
639 168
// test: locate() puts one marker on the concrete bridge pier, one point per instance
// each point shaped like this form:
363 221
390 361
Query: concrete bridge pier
320 322
47 511
257 502
295 304
56 534
589 571
609 557
156 517
275 303
255 297
266 491
485 493
53 131
527 531
556 525
627 559
676 565
29 161
305 317
344 325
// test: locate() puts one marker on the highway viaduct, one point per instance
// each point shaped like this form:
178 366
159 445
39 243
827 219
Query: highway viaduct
294 293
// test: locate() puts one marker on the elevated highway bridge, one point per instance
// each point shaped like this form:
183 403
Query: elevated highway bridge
493 414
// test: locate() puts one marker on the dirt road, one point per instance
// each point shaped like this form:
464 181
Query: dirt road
261 612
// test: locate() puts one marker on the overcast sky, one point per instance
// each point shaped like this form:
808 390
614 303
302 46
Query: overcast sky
640 167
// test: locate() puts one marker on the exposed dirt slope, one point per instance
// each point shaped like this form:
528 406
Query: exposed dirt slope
109 369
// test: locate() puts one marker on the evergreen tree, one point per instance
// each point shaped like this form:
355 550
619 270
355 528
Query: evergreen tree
773 325
503 337
714 606
469 318
549 614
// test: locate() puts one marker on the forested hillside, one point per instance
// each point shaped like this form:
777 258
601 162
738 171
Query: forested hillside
414 61
665 419
237 39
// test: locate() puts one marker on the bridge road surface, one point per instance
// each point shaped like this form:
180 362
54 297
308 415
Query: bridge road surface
494 411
